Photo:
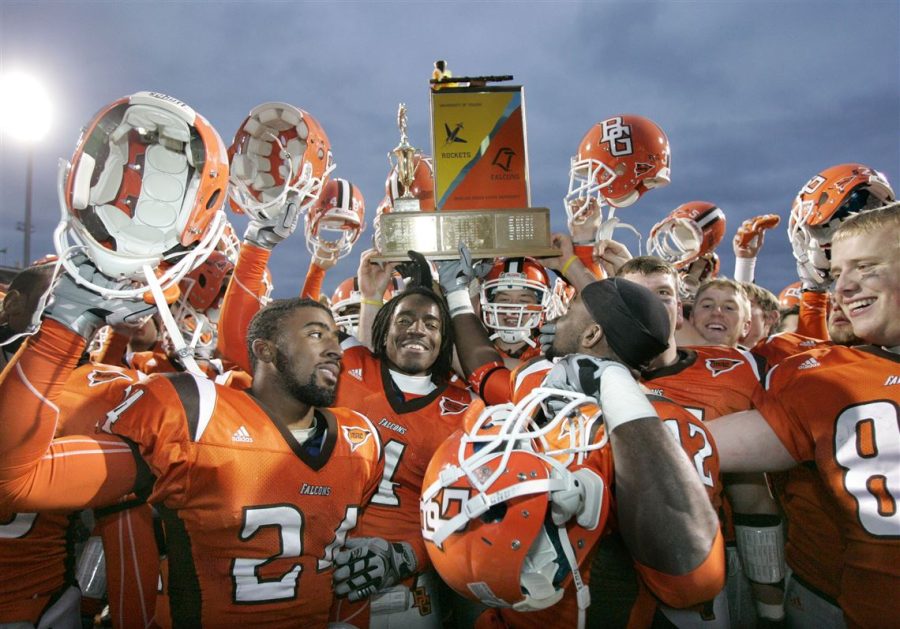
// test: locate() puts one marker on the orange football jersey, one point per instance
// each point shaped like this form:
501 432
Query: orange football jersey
129 541
240 303
837 408
36 549
244 504
37 555
411 430
528 352
777 347
813 319
813 543
708 381
695 440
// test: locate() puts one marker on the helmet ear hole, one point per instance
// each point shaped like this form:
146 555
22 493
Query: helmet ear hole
214 199
494 514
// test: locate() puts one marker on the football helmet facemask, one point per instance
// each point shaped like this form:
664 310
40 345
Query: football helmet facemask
340 210
505 314
486 501
826 200
691 230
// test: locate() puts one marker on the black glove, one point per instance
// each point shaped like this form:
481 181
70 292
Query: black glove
417 270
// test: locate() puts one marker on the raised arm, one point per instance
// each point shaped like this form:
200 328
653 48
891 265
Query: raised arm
241 303
664 514
37 473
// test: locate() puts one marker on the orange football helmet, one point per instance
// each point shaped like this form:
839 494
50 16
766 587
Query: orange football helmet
345 303
196 312
347 299
145 186
279 152
790 296
618 160
509 319
422 187
340 209
691 230
203 286
486 498
825 201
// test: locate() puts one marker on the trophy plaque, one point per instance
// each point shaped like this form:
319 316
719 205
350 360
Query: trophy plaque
481 186
488 234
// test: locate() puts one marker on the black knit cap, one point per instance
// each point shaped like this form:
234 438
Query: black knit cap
633 318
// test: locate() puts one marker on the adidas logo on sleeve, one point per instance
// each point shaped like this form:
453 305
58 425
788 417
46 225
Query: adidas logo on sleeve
242 435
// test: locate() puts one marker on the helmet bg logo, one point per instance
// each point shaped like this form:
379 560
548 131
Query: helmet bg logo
841 184
718 366
355 436
445 505
421 601
617 135
813 184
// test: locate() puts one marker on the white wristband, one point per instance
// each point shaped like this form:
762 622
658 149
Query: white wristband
459 303
621 398
744 269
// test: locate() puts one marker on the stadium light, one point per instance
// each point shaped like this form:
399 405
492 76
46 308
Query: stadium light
25 117
24 107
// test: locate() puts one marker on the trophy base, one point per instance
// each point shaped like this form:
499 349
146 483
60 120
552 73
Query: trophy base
407 205
487 233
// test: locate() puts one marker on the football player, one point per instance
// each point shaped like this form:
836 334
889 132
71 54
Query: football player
405 384
18 306
613 318
711 381
515 298
851 431
822 204
203 452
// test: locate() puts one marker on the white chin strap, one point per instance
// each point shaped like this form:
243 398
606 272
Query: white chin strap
514 336
184 351
607 227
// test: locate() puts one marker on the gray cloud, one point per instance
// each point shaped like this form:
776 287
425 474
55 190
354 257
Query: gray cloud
756 97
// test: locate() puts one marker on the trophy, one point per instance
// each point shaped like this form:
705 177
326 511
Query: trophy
405 166
481 188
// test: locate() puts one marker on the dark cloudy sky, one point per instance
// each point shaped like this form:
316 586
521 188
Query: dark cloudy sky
756 97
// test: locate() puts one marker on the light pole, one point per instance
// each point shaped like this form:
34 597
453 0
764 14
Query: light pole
24 116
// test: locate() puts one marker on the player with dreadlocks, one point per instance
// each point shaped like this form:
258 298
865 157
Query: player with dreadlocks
405 385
